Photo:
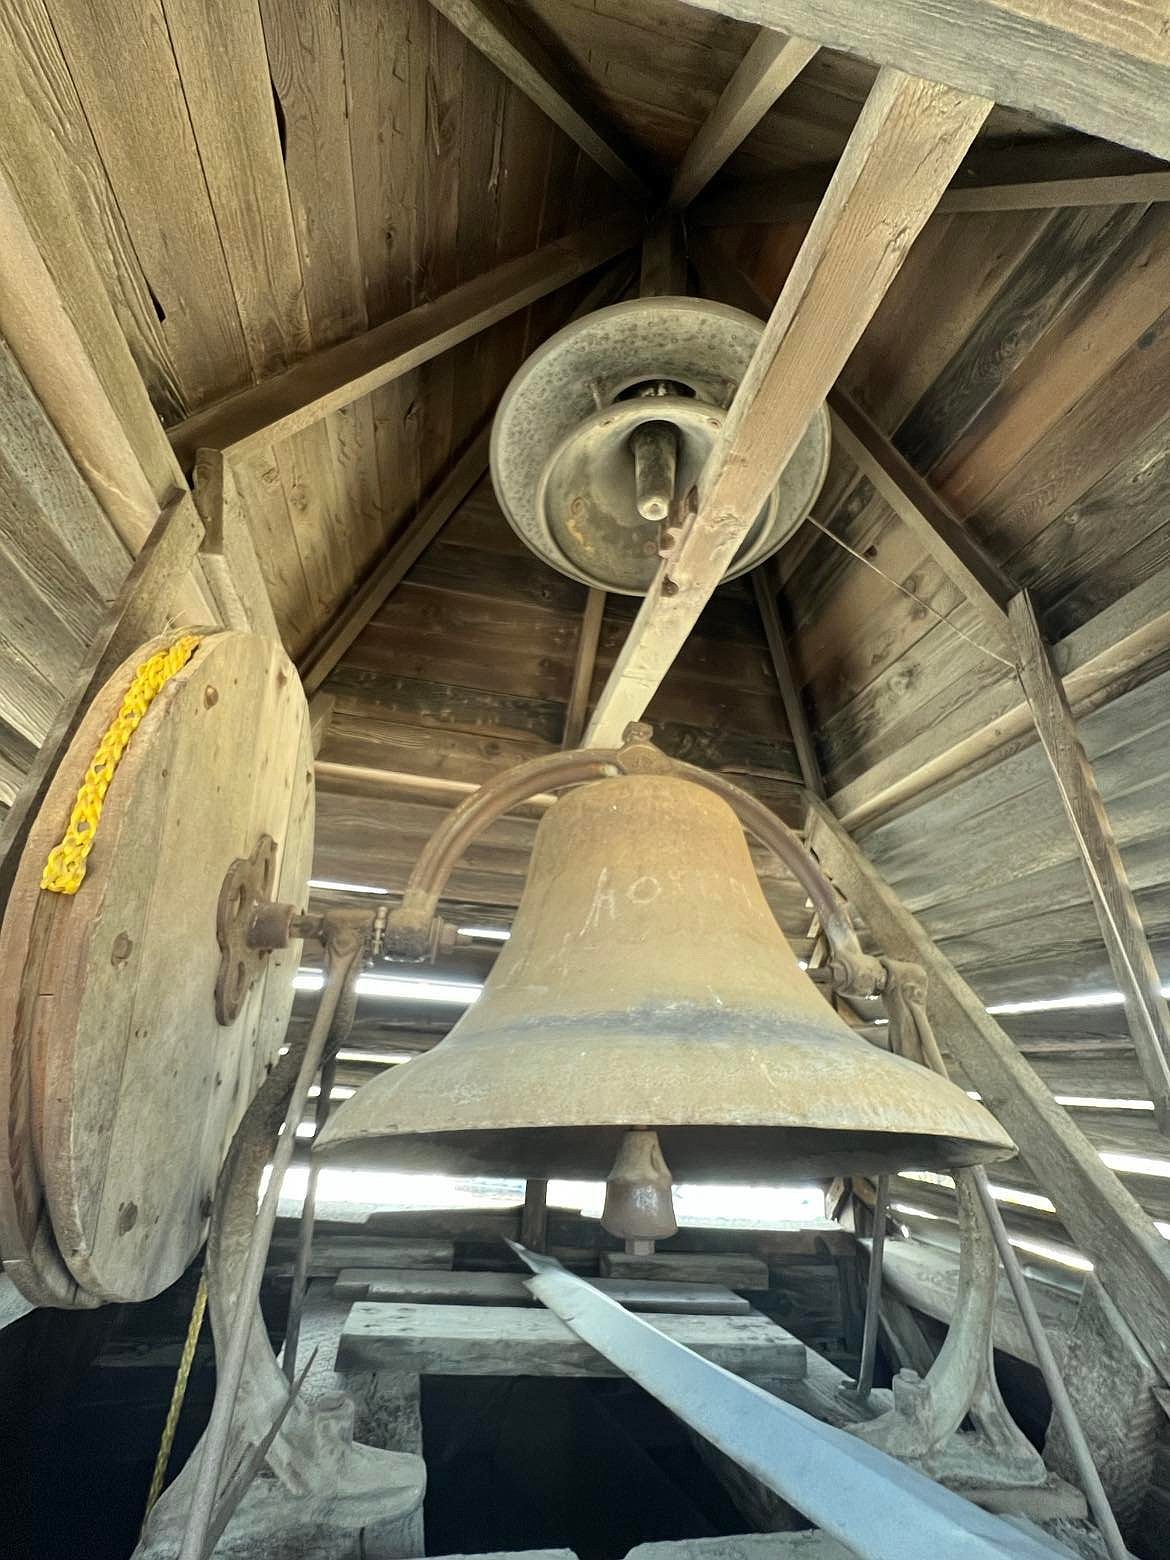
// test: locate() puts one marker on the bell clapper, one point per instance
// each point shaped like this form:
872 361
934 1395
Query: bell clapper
639 1200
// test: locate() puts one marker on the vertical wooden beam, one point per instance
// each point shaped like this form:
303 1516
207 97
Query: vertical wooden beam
230 564
802 738
1121 927
320 715
1132 1259
768 68
664 259
1112 1383
534 1215
904 149
587 642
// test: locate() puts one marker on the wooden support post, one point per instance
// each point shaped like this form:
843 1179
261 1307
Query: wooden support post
587 642
1132 1259
802 738
664 259
901 155
493 29
534 1215
230 564
1117 913
320 714
769 67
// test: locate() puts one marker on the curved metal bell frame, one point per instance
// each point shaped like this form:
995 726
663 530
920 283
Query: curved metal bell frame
646 984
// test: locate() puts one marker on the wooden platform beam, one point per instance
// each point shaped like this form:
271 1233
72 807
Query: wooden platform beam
1125 939
1131 1257
904 149
499 36
769 67
286 403
1104 69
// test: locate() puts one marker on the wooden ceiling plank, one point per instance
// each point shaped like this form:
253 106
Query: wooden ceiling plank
1107 652
1121 926
300 396
489 27
1132 1259
771 65
1099 68
930 520
325 653
905 147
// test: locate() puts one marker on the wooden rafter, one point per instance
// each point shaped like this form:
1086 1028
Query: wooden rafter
940 533
583 664
768 68
391 569
789 199
802 738
254 418
909 495
1104 69
1109 888
492 29
901 155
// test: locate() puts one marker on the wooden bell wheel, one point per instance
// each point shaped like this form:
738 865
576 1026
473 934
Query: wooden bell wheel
120 1086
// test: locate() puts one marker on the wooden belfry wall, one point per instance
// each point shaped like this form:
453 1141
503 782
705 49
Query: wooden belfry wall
202 201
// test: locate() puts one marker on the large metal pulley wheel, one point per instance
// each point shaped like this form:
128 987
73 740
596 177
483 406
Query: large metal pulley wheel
136 1020
604 431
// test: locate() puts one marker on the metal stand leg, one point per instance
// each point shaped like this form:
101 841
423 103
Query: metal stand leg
1061 1402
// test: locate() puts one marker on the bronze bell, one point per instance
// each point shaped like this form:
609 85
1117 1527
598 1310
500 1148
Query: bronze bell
647 985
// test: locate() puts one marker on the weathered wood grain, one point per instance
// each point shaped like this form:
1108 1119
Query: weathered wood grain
1130 1255
493 29
1129 952
295 399
469 1341
770 65
905 147
1100 71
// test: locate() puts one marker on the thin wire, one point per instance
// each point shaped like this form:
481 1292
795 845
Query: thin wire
954 628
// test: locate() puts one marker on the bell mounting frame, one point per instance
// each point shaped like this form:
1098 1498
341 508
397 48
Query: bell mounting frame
411 932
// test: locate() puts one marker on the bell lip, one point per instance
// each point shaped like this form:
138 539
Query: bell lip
724 1155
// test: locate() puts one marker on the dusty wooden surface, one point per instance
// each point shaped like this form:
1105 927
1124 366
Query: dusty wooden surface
453 1340
134 1087
661 1295
735 1271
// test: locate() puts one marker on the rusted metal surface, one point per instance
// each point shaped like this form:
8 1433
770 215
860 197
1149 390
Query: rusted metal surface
639 1201
646 984
246 888
607 427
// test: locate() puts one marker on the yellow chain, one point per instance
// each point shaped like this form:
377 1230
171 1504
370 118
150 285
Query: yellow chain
178 1393
65 868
